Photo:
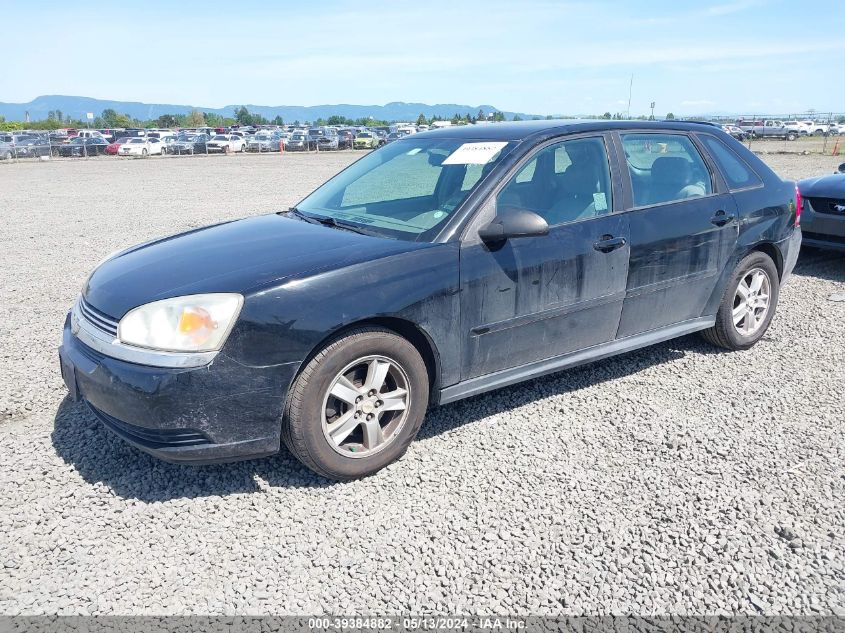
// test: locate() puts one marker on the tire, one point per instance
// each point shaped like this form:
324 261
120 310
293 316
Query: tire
8 155
791 137
725 333
311 408
143 152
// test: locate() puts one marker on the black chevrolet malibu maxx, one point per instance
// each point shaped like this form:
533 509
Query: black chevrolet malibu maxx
444 265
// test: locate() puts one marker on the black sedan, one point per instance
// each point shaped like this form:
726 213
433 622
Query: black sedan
823 215
442 266
84 147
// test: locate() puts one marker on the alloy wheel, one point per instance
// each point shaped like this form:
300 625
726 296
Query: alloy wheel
366 405
751 301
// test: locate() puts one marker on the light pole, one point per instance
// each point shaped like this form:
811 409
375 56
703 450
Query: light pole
652 110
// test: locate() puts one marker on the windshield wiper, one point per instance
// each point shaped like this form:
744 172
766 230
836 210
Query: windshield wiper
330 221
326 221
302 216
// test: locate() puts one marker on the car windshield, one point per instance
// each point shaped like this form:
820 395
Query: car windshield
365 135
78 141
408 189
219 137
137 141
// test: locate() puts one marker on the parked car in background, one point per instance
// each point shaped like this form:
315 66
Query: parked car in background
503 253
90 134
113 148
189 144
226 143
393 136
769 128
824 129
264 142
802 128
137 147
298 142
57 139
81 146
366 140
27 145
7 150
735 131
345 139
823 217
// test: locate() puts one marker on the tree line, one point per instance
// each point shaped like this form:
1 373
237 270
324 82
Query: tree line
109 118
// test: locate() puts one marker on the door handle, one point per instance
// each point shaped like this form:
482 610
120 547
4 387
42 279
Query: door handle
608 243
721 218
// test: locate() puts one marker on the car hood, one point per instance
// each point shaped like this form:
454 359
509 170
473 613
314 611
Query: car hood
832 186
239 256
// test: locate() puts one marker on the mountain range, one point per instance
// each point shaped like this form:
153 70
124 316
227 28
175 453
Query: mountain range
77 107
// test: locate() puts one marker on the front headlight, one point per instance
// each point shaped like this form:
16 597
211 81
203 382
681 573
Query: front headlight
196 323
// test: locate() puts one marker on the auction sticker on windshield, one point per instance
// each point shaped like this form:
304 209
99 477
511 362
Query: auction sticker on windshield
474 153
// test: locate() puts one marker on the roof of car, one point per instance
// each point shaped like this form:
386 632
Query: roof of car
521 130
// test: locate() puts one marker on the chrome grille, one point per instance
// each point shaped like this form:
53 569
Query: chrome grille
99 320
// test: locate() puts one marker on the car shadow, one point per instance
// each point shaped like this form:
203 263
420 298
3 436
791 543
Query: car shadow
821 264
102 458
457 414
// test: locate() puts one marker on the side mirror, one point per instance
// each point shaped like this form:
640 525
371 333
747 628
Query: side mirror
841 168
513 222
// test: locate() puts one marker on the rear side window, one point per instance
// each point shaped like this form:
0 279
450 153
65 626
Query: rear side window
734 169
665 168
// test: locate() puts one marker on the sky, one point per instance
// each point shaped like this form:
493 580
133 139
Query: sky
533 56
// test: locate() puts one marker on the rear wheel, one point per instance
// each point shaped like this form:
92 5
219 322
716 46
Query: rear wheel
357 404
791 136
748 304
143 152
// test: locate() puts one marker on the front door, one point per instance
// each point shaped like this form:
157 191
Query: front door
534 298
682 231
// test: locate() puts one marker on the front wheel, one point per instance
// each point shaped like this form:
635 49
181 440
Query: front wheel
357 405
143 152
748 304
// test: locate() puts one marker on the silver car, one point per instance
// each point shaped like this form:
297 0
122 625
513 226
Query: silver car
264 142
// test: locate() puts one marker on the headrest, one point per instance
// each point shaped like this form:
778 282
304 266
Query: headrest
671 170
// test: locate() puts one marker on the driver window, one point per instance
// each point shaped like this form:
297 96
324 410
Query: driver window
564 182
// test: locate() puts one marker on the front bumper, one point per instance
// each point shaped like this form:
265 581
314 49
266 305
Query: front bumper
223 411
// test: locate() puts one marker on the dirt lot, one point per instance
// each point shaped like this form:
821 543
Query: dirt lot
678 479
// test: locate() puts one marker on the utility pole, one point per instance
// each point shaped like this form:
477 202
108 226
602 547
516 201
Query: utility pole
652 110
630 90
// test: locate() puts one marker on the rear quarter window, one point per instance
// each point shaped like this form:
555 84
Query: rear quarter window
737 174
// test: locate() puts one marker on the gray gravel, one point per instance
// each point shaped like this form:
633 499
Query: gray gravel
678 479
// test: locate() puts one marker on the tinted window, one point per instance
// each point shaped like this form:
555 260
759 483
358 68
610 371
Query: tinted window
665 168
736 172
564 182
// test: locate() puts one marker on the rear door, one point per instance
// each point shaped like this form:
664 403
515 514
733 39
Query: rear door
683 230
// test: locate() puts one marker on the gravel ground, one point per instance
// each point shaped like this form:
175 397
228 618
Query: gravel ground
678 479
